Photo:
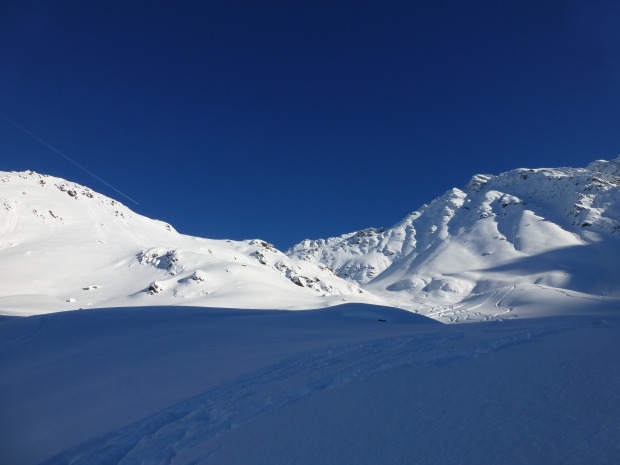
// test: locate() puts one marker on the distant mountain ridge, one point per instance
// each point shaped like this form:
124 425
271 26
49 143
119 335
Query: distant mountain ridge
552 227
524 243
64 246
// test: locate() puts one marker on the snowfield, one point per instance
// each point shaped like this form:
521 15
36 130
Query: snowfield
141 345
183 385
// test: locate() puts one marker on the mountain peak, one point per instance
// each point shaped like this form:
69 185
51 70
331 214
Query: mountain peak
524 227
500 247
63 246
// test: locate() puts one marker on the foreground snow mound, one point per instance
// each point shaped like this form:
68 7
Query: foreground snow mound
494 247
352 384
63 247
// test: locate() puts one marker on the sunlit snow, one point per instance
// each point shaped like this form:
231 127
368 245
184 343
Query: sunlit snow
146 346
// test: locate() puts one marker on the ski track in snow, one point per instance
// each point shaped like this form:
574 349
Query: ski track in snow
160 438
500 303
462 313
572 296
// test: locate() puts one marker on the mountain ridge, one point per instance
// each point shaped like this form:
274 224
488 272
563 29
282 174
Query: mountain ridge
64 247
523 243
435 257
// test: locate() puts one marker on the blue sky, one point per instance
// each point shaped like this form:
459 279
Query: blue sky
292 120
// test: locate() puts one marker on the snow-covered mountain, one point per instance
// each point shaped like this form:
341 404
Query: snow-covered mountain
356 383
168 384
527 241
65 247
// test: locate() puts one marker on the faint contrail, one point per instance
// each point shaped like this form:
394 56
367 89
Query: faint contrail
65 156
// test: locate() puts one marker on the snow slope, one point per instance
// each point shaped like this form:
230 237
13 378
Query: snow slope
523 243
199 386
151 382
64 247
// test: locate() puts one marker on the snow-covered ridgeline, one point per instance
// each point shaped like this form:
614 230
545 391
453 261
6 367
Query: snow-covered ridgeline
63 247
495 232
500 247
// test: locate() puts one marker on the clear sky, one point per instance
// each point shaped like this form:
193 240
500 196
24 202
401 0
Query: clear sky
287 120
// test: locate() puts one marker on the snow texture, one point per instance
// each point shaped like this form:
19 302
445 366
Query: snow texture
351 384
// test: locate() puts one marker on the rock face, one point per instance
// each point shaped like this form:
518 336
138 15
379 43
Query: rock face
552 228
64 246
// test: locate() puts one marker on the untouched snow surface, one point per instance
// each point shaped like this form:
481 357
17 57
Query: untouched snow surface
183 385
